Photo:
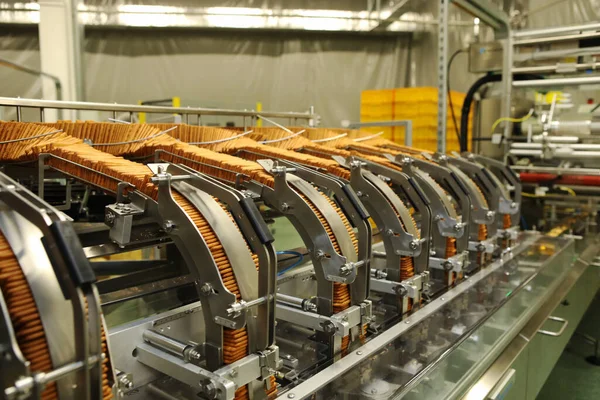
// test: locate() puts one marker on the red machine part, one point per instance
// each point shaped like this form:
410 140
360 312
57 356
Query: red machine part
538 177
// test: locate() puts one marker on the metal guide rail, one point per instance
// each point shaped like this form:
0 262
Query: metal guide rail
20 103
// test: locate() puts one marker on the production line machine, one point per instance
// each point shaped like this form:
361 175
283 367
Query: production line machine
214 309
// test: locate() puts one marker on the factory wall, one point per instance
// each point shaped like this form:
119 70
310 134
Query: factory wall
285 71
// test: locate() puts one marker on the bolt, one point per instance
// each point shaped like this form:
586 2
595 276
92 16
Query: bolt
389 232
291 396
328 327
168 226
206 289
346 270
285 207
513 205
359 194
359 353
233 373
407 322
320 254
195 355
443 298
457 227
110 218
401 290
490 215
208 389
125 382
373 391
413 245
447 265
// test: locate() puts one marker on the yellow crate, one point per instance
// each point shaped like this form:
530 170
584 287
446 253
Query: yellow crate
424 94
381 96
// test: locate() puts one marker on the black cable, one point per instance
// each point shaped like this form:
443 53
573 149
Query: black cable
464 118
457 52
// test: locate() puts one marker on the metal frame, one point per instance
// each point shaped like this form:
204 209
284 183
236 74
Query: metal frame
19 103
499 367
500 23
329 374
442 54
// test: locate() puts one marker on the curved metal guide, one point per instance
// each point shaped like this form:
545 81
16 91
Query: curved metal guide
399 233
61 281
354 211
256 234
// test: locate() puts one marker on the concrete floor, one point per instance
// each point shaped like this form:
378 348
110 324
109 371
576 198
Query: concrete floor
573 377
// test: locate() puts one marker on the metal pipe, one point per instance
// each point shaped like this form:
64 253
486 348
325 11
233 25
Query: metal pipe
557 82
556 139
559 38
487 12
562 68
553 31
557 170
303 304
584 127
111 107
574 146
571 154
165 343
551 54
289 300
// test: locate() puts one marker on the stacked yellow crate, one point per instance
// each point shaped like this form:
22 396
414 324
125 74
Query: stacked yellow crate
416 104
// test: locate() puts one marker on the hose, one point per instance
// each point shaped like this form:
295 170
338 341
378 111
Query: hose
464 117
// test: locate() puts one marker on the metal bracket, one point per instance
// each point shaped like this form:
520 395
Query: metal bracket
289 202
455 263
487 246
511 233
338 324
119 217
412 287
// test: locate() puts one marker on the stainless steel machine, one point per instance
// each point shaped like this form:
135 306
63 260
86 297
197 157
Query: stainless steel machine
155 266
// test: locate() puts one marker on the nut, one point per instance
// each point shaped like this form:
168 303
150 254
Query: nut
401 290
168 226
206 289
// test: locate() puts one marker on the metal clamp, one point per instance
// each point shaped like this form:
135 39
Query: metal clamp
510 233
565 323
455 263
487 246
119 217
339 324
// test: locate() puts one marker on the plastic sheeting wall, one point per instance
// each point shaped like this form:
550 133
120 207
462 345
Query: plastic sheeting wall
224 69
285 71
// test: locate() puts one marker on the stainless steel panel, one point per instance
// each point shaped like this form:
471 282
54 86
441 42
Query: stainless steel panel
485 57
56 312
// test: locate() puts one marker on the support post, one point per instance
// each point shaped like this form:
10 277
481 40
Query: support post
442 74
60 52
